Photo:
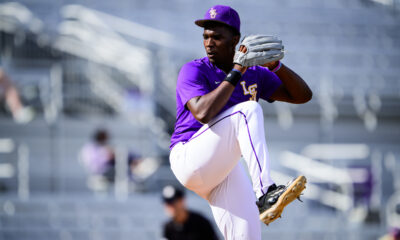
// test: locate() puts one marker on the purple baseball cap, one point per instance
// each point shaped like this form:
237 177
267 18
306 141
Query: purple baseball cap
222 14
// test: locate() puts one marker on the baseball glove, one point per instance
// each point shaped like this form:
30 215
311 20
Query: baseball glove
261 49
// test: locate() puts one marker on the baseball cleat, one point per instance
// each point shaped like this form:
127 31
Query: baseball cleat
277 198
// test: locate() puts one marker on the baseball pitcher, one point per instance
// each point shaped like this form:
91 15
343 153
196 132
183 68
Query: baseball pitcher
218 121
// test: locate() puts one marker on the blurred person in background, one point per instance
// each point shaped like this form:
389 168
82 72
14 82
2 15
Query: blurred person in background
393 235
98 157
393 216
20 113
184 223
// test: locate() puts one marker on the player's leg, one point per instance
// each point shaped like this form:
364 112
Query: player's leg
232 204
202 164
208 157
253 146
272 199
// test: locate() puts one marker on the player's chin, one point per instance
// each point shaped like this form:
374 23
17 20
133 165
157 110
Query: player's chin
212 58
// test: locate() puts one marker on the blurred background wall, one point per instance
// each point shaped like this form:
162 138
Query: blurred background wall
83 65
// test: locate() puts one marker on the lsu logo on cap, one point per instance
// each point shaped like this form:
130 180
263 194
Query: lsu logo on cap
213 13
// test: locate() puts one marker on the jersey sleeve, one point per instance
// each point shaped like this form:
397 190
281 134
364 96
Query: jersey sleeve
191 83
269 82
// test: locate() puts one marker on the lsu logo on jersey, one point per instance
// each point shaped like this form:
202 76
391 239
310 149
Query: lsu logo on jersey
251 90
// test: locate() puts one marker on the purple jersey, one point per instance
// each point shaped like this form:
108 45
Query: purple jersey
200 77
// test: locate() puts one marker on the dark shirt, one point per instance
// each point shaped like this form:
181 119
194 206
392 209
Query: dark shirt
196 227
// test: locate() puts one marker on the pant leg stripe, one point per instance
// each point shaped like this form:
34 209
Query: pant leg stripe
254 151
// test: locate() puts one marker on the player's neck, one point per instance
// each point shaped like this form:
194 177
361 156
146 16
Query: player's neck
226 67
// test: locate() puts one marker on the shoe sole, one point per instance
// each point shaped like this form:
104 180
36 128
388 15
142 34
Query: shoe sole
292 192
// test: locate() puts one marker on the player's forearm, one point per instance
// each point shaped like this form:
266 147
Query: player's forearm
206 107
296 87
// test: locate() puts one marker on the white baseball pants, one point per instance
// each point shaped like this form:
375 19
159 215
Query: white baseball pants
208 164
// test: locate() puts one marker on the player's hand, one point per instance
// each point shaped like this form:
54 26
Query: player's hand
261 49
